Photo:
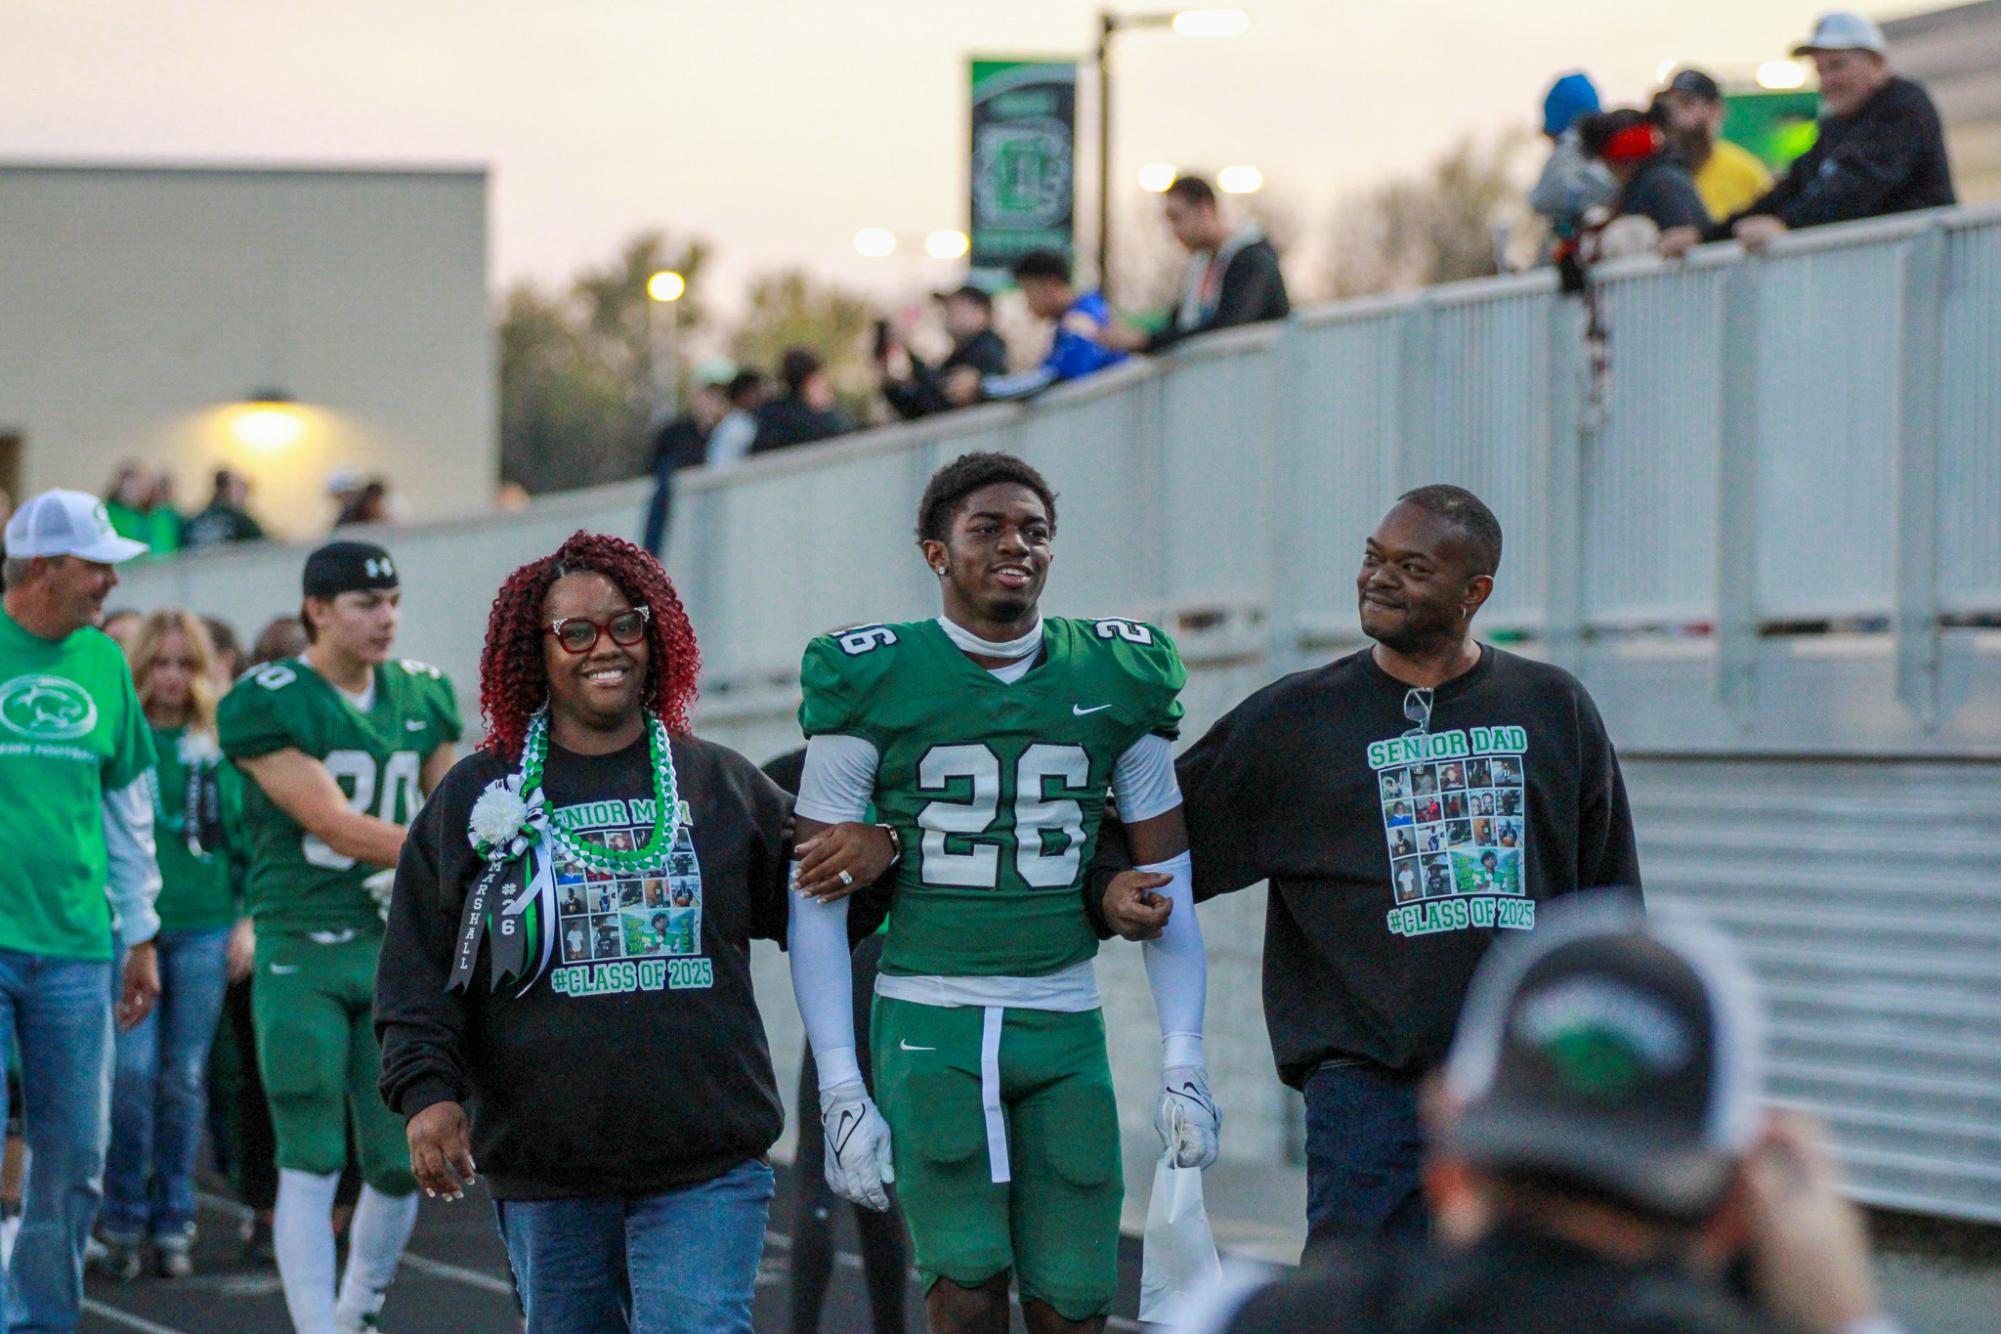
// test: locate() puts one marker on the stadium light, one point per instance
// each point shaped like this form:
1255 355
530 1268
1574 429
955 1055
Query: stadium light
1211 23
1781 76
1183 23
875 242
1240 180
946 244
267 421
1155 177
666 285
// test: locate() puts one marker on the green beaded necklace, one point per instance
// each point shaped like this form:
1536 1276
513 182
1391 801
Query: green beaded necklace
666 803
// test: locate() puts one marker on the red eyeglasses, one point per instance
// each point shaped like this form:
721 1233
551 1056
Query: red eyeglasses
579 634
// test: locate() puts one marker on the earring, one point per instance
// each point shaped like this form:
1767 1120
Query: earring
938 569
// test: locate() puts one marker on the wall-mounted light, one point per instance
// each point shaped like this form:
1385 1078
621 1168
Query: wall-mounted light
267 421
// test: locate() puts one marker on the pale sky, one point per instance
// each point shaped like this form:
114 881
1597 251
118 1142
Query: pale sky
777 128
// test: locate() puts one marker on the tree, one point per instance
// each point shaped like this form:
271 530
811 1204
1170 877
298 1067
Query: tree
576 368
791 308
1436 228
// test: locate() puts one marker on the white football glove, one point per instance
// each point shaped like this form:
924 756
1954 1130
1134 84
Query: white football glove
858 1161
379 886
1188 1121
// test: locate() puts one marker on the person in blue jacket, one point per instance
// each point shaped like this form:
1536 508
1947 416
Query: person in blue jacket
1076 347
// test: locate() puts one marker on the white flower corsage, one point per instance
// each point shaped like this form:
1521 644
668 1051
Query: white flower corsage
504 824
196 748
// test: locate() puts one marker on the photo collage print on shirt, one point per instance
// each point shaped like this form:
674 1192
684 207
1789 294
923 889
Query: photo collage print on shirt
611 915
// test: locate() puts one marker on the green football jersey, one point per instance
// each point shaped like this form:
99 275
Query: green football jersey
297 882
997 789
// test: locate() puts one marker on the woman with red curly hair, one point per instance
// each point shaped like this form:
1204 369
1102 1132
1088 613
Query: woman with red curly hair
610 1047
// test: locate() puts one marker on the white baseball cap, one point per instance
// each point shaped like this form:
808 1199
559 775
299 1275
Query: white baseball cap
68 523
1843 32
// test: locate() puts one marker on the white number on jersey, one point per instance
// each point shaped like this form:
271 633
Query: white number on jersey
865 639
398 789
971 816
415 668
1130 631
274 676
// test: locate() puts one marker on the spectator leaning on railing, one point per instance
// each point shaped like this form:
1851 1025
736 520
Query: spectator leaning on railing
1881 149
1656 195
1571 183
1729 177
913 387
1233 274
1076 344
806 411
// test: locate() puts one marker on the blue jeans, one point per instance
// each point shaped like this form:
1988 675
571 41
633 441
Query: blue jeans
1364 1155
59 1011
159 1092
684 1262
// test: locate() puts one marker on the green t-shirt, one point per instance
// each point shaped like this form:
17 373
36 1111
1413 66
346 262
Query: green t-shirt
198 888
296 882
996 788
70 731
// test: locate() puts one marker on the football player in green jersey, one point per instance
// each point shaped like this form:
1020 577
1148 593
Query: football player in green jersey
340 743
988 741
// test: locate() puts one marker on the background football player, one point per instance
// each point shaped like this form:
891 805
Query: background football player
340 744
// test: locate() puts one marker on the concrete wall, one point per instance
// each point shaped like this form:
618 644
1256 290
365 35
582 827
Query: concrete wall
139 306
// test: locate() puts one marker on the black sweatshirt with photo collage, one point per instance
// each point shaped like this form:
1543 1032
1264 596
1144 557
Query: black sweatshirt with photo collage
1399 845
638 1063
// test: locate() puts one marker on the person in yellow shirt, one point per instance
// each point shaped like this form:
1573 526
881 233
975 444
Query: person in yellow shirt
1729 177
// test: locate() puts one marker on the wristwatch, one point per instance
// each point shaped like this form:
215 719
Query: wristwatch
895 843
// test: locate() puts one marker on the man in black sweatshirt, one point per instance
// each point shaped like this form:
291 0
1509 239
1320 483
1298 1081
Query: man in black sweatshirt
1364 975
1881 149
1233 275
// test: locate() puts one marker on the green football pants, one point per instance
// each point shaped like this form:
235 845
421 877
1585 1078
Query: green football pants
1005 1135
313 1002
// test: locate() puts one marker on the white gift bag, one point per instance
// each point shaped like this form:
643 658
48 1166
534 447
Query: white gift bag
1179 1260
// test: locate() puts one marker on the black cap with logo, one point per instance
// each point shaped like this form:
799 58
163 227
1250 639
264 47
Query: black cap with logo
1616 1054
348 567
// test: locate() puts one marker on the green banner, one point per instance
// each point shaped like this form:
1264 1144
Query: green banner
1024 162
1778 127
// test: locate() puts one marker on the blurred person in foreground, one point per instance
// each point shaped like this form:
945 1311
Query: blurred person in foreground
225 519
807 411
1603 1159
1233 274
1571 183
1076 340
1881 148
1729 177
621 1106
158 1093
682 442
1656 196
77 879
913 386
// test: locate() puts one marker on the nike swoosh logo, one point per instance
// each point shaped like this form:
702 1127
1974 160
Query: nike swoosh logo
1080 710
905 1045
283 968
414 726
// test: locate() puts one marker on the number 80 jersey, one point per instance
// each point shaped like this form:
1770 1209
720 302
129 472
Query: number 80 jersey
997 788
297 882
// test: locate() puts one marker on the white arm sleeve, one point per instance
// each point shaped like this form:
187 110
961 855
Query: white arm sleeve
1177 968
134 873
839 779
823 983
1143 781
